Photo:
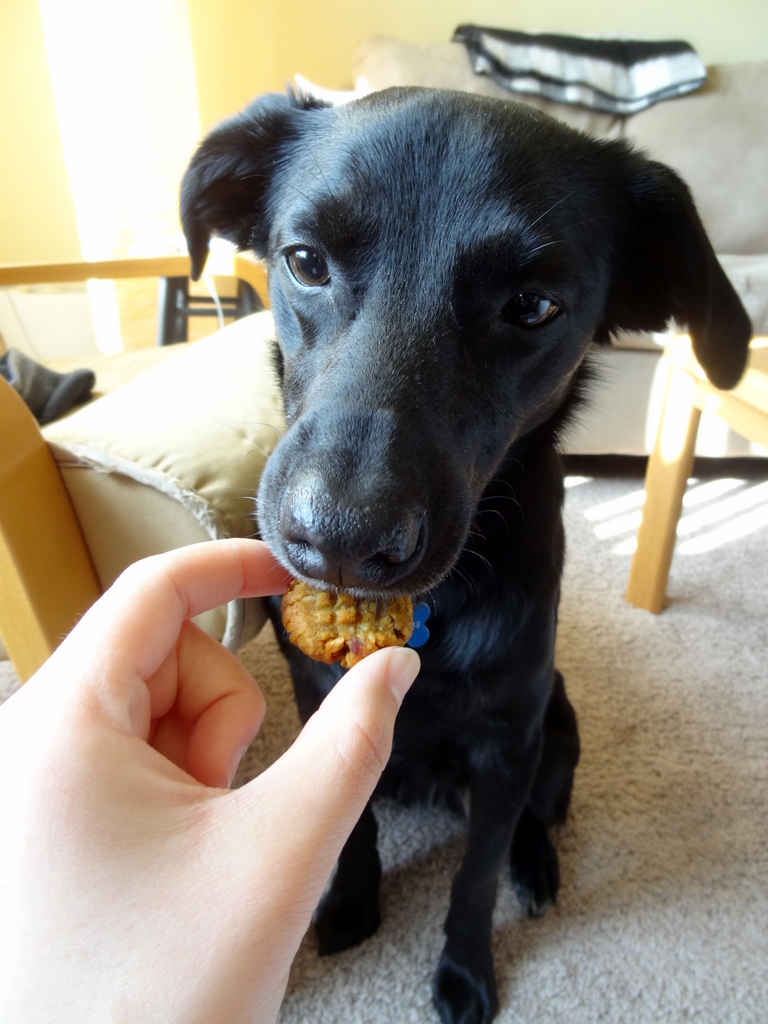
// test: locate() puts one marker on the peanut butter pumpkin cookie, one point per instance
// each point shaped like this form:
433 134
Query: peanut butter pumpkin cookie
330 626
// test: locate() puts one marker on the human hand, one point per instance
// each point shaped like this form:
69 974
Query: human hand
133 886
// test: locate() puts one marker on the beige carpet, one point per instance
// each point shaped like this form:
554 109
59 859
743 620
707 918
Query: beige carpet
663 914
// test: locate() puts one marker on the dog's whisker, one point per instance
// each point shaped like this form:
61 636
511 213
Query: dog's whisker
506 483
500 497
539 248
246 494
467 579
495 511
471 551
278 566
317 164
242 497
554 205
588 220
269 426
248 516
258 451
302 194
497 497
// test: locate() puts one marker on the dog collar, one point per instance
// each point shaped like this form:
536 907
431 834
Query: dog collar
420 633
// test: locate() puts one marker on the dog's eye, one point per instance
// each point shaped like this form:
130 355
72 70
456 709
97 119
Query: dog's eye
528 309
308 267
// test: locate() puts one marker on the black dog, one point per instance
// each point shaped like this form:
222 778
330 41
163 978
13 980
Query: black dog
439 266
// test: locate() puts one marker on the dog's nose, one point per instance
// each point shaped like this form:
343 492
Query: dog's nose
367 547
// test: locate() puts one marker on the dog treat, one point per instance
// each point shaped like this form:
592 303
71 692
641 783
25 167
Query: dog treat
330 626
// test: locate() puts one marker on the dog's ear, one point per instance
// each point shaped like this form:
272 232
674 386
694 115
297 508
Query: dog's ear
224 189
665 266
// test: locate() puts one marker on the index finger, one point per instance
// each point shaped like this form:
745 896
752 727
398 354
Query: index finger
137 621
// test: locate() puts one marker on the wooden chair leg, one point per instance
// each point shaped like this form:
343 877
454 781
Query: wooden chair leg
47 580
668 470
172 304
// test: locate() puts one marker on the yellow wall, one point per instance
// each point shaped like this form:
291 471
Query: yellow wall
37 214
234 49
244 47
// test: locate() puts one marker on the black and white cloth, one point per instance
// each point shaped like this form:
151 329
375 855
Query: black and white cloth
618 76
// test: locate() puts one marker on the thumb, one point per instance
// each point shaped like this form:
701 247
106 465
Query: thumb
308 801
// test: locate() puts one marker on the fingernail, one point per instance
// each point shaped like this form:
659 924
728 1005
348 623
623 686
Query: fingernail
234 764
402 669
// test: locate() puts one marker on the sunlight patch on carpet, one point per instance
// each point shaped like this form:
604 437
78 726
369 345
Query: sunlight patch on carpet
721 516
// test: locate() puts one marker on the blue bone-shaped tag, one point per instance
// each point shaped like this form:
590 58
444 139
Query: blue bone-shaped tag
420 633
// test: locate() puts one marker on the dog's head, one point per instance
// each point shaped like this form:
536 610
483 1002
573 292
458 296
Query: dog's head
438 266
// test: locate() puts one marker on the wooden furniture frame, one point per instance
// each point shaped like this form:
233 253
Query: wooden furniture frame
175 305
688 394
47 580
235 265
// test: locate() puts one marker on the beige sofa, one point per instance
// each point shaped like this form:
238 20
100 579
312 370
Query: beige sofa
717 139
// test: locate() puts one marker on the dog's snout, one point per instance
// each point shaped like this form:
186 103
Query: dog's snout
367 547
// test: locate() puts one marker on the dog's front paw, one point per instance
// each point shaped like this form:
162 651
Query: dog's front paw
342 921
534 868
462 995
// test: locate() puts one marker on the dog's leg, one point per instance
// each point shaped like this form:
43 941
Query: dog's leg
349 911
533 860
464 986
551 791
534 868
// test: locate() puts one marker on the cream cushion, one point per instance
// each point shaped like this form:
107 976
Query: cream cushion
717 139
175 456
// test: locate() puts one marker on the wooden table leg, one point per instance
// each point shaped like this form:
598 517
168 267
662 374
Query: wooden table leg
668 470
